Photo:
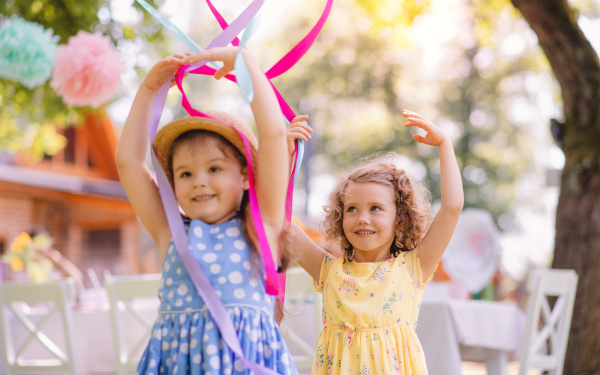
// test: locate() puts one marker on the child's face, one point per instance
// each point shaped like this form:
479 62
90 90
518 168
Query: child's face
369 220
209 184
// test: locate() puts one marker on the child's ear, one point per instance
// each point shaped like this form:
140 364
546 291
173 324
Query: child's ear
245 181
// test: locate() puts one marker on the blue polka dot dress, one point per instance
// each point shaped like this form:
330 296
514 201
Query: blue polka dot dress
185 339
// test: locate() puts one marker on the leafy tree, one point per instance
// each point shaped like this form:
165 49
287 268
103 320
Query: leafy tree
355 82
577 245
30 118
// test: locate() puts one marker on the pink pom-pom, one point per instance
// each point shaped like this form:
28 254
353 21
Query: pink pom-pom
87 71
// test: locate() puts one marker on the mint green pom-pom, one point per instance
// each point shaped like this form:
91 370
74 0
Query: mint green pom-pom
27 52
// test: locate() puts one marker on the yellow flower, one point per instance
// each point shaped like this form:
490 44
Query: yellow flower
20 242
42 242
16 264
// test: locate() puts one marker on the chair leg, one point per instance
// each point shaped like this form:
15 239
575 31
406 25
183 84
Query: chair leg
496 362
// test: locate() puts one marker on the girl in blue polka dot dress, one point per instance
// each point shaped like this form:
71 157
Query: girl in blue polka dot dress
204 161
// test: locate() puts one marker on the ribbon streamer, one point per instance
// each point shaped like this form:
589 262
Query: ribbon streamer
229 35
201 282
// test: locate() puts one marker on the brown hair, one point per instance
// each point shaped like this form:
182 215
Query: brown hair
244 213
412 208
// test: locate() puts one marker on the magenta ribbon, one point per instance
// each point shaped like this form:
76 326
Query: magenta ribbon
282 66
201 282
203 286
270 268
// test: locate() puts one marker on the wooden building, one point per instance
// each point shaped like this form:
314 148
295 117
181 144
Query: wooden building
76 196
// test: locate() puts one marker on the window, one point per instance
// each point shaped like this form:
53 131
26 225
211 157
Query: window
101 251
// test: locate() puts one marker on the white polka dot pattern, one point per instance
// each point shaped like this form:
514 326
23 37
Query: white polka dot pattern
185 340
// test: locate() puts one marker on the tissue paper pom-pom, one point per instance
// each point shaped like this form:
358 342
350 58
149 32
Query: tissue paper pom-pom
27 52
88 70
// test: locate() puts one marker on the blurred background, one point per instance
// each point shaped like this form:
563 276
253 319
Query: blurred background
473 67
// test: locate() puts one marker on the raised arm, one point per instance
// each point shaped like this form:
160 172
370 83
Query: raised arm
440 232
133 144
308 253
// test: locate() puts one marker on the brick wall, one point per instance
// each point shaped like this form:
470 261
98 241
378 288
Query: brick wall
16 215
67 217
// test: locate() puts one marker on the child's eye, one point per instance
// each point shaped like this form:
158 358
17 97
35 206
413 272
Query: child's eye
214 169
351 209
375 208
185 174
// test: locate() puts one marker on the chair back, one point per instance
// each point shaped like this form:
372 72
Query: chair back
547 328
302 324
30 344
125 295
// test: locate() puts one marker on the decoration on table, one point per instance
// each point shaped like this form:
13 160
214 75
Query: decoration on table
473 252
27 52
29 254
88 70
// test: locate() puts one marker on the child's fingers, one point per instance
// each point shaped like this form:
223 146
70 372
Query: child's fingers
418 122
198 56
301 125
418 138
222 72
412 114
300 118
407 112
299 133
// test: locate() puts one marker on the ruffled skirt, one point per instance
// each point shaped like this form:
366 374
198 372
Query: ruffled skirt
190 343
391 350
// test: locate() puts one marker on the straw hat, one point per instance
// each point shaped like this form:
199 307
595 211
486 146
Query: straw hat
222 124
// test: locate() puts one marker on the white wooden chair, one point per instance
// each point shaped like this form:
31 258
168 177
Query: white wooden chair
544 349
28 307
124 292
302 321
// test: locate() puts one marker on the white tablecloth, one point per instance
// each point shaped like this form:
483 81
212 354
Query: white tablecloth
452 331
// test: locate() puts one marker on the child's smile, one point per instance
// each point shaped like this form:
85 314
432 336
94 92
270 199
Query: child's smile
369 220
209 184
203 198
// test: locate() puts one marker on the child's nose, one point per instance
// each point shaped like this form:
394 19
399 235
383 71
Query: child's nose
201 179
364 218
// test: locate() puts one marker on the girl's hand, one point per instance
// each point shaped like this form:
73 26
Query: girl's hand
298 129
434 136
224 54
163 71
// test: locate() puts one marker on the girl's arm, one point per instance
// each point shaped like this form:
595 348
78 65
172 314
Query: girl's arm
440 232
310 254
137 180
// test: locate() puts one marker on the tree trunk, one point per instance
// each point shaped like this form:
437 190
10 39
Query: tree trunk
577 244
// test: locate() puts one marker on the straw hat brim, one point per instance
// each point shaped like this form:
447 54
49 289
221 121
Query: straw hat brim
223 124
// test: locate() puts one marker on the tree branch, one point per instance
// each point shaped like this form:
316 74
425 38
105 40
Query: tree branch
571 56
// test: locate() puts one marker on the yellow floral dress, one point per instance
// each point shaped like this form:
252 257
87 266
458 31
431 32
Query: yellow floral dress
370 313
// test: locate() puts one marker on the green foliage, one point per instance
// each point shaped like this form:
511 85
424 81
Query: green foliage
588 8
31 118
397 16
354 84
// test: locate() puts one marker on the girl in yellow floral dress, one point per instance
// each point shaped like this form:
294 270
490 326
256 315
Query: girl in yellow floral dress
372 294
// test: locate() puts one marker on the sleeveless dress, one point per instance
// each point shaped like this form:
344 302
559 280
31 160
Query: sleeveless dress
185 338
370 313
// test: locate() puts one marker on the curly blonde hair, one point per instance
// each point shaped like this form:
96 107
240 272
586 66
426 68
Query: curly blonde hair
412 207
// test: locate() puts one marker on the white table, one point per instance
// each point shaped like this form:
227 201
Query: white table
452 331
